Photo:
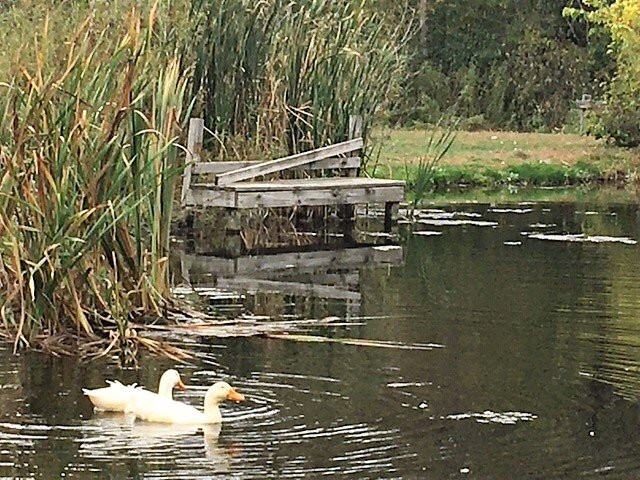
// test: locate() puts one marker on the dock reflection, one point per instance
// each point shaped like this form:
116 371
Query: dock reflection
330 275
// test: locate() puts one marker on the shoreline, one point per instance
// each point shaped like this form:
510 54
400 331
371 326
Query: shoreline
506 159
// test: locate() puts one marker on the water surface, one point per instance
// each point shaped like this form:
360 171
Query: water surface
531 369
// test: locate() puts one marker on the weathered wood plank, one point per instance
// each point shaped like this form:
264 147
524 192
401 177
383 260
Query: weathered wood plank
216 168
289 193
209 198
194 145
355 126
285 163
321 196
309 184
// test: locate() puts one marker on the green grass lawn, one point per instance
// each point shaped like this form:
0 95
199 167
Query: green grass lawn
496 158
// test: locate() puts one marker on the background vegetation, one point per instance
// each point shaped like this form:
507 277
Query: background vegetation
620 118
94 100
501 159
281 76
501 64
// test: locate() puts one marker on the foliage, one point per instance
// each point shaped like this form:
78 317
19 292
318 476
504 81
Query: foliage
498 159
22 23
502 63
420 178
90 114
279 75
524 174
620 119
88 157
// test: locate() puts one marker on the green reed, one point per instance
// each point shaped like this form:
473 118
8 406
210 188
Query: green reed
437 144
284 76
88 160
90 113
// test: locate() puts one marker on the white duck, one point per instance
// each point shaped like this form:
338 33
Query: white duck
117 396
165 410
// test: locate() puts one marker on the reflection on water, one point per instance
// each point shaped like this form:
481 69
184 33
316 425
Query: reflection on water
308 283
110 436
538 375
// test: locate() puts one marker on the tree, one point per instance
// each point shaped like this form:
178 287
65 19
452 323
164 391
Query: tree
502 63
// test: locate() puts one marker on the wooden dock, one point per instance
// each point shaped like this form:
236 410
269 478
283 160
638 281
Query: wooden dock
331 178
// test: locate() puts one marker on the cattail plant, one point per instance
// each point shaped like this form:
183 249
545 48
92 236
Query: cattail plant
88 158
89 126
280 77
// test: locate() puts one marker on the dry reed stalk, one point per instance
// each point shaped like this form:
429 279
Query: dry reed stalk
89 156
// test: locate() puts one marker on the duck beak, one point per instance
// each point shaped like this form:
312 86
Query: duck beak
181 385
235 396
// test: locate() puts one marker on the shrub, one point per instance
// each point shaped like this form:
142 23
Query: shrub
620 119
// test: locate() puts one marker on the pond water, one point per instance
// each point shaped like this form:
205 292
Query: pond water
513 351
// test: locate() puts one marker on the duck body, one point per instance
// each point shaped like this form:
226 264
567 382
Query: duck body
117 397
164 410
113 398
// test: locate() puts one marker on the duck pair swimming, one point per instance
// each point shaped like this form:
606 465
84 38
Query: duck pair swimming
161 407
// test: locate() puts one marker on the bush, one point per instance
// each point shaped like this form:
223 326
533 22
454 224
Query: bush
523 75
619 121
540 173
475 123
546 76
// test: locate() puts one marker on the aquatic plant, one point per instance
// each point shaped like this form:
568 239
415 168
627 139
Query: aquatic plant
88 158
277 77
89 123
439 142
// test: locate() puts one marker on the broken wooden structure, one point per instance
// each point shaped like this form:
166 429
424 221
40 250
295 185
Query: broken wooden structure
330 178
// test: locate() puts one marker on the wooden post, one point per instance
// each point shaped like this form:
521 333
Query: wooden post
355 131
390 211
583 105
355 126
347 212
194 146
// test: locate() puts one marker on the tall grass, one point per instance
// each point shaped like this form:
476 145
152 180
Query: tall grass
88 158
437 145
283 76
21 19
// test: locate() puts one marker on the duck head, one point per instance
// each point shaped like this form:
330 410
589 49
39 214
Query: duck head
169 380
219 392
